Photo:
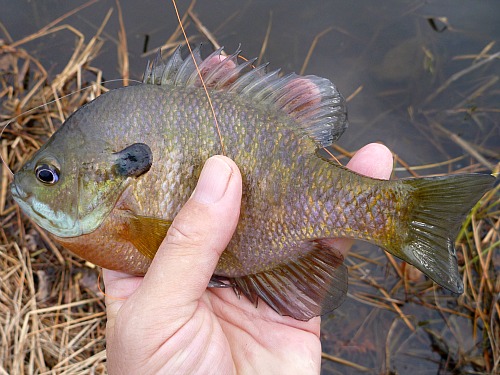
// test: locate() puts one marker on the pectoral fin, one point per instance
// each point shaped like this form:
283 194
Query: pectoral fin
146 233
312 285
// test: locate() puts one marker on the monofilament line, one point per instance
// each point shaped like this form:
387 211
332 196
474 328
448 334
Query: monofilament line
201 78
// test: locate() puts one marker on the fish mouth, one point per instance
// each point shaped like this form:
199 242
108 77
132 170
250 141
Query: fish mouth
17 192
54 222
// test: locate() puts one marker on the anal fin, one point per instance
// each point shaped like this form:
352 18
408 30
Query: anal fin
312 285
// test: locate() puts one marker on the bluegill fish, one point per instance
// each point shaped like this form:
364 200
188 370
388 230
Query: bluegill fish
111 179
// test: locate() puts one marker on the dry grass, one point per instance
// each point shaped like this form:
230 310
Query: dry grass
52 317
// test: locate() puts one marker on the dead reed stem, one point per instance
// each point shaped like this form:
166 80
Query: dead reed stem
52 317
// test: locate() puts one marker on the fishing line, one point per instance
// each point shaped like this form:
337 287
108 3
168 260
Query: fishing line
201 78
333 157
206 90
46 104
109 296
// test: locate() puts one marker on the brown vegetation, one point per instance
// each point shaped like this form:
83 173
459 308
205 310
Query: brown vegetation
52 315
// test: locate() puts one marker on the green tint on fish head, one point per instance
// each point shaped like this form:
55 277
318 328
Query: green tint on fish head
73 182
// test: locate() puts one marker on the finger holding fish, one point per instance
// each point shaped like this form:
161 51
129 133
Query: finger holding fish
173 294
373 160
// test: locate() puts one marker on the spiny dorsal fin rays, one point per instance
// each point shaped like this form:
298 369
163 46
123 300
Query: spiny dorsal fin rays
313 102
233 75
205 66
261 85
221 71
173 66
187 71
247 80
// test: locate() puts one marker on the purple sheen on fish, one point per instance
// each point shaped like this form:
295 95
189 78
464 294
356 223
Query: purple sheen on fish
112 178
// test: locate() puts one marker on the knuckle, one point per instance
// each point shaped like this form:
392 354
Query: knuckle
187 231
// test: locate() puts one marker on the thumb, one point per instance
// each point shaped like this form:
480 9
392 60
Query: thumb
184 263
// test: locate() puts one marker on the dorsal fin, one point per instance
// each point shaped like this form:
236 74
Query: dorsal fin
313 102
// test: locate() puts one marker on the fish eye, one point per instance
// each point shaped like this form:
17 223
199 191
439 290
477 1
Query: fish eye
47 174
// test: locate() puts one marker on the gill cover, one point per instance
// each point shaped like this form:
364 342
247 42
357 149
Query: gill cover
87 186
101 184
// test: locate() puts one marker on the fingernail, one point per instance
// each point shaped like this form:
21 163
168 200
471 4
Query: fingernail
213 180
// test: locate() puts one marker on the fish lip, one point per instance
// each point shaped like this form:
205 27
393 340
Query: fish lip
22 198
17 192
25 202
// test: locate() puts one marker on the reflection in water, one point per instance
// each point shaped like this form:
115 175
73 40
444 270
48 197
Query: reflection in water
400 60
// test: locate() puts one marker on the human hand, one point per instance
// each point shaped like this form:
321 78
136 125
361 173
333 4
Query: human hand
169 322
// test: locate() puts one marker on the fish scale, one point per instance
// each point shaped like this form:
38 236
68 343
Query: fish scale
123 165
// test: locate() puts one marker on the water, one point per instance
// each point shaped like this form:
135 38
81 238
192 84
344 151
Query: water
389 49
397 53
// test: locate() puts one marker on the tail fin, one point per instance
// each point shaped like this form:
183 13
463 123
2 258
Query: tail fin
438 207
